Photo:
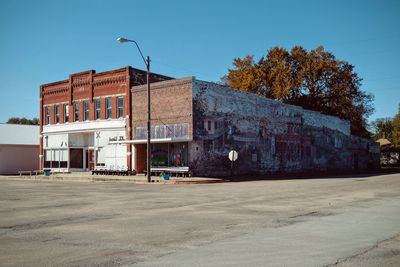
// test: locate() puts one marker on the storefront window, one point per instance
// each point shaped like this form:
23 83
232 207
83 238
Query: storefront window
56 158
170 155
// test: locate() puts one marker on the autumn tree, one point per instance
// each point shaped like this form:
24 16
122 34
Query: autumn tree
313 79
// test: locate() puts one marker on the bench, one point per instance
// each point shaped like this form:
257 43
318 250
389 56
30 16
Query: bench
25 172
174 171
36 172
104 171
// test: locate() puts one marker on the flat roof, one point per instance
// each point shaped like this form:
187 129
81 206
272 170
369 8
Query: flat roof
18 134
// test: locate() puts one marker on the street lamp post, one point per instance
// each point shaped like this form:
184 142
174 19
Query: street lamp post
147 63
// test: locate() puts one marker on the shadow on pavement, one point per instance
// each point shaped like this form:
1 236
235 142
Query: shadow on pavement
311 175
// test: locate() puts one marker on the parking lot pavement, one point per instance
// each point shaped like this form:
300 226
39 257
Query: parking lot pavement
315 222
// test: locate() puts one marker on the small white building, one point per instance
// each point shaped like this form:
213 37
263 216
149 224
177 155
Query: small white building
19 148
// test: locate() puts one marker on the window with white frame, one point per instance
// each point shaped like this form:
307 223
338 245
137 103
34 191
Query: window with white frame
57 113
97 109
47 114
108 107
86 110
76 111
120 106
66 113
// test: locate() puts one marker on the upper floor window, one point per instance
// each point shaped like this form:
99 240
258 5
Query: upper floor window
66 113
108 107
97 109
76 111
209 125
47 114
57 113
86 110
120 107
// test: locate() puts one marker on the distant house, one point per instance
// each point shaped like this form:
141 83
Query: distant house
390 155
383 142
19 148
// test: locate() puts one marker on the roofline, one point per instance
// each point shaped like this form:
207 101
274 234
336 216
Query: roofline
100 73
162 84
53 83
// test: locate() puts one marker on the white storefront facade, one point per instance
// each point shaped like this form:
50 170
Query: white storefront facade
84 146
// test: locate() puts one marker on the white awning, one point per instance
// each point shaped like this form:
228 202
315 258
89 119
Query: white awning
144 141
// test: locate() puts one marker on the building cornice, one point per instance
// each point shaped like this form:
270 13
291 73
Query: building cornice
163 84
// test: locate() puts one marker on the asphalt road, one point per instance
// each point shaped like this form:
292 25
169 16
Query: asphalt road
301 222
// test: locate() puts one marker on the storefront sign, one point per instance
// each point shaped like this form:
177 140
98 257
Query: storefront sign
116 138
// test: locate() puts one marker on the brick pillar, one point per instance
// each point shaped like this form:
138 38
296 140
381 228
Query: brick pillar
71 112
61 112
80 110
114 107
91 110
52 115
103 108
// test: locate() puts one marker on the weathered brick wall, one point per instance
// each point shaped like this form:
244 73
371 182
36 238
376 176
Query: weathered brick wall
270 137
171 103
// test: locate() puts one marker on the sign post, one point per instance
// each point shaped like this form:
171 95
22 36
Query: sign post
233 156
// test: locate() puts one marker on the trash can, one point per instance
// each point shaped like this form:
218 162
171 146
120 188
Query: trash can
166 176
46 172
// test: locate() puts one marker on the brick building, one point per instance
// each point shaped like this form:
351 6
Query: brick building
195 124
99 120
82 116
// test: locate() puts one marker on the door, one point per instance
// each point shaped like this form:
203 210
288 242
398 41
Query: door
76 158
141 155
90 162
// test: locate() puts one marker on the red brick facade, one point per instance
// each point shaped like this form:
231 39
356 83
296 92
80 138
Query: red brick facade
171 102
88 86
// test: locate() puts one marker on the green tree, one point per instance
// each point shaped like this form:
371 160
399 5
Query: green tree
382 128
313 79
23 120
396 130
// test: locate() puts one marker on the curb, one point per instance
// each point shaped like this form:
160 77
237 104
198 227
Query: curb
113 180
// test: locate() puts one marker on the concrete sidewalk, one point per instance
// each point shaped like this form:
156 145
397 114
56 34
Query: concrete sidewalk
137 179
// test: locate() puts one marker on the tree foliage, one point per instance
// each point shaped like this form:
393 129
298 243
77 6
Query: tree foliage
382 128
23 120
313 79
388 128
396 130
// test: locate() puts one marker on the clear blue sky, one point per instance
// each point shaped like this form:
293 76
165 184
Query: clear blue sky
45 41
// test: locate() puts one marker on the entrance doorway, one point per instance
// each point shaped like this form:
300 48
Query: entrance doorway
76 158
89 159
140 155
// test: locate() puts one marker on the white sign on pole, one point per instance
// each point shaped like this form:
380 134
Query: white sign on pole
233 155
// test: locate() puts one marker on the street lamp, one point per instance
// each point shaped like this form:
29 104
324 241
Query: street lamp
147 63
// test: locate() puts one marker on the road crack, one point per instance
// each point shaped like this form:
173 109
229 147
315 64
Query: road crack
364 252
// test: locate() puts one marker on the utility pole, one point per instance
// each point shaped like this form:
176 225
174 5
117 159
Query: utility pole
148 122
147 63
